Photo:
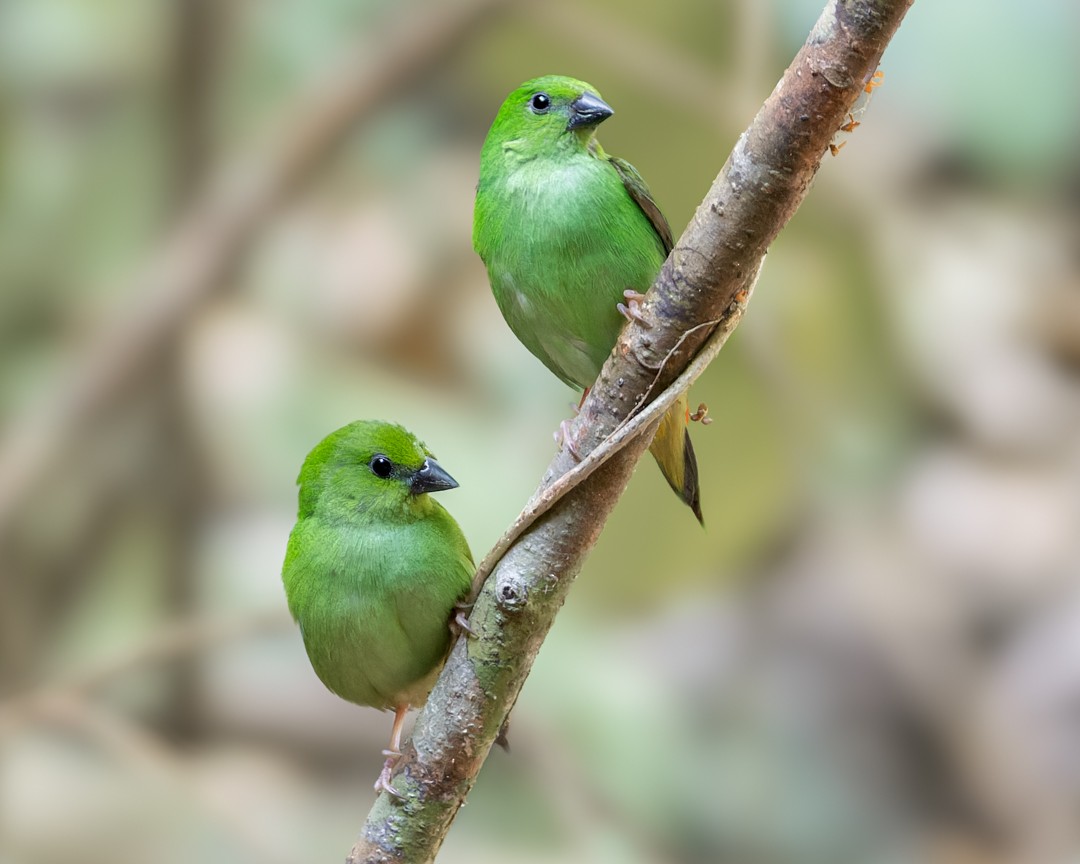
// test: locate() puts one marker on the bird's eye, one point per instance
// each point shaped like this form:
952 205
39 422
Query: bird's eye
381 466
540 103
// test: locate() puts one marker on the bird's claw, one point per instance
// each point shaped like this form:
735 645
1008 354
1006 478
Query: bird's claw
460 621
564 439
631 309
701 415
383 784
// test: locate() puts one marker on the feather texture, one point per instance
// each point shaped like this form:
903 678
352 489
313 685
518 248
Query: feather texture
373 569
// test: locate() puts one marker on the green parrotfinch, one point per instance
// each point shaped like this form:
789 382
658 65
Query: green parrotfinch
566 233
374 569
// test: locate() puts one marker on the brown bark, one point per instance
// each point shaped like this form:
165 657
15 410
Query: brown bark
702 286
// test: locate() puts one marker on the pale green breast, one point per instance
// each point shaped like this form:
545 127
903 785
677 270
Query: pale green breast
562 240
374 603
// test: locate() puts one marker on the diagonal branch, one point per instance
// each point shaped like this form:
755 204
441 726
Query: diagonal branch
702 287
639 420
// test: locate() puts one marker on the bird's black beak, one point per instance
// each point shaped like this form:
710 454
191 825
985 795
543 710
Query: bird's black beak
431 478
588 110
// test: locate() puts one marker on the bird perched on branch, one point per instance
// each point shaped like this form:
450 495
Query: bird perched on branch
374 569
567 233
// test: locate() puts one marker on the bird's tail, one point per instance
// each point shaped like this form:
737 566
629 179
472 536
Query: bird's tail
673 452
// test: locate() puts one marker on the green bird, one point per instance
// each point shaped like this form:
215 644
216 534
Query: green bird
374 570
568 232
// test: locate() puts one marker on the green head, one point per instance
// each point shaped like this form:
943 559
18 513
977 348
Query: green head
547 115
370 466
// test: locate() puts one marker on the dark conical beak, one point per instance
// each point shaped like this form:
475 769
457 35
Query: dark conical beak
431 478
588 110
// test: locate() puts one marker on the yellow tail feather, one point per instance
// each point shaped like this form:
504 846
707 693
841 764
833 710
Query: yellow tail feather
673 452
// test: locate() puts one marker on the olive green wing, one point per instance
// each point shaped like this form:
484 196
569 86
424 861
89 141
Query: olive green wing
671 447
635 185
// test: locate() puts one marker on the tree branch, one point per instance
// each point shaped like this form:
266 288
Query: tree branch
702 287
634 425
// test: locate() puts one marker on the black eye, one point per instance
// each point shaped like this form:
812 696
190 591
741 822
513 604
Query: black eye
381 466
540 103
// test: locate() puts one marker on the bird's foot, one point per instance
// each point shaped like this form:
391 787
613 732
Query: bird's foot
383 783
631 309
460 622
564 439
701 415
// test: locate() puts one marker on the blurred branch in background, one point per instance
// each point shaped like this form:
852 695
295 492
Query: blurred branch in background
215 231
214 213
211 234
702 287
195 64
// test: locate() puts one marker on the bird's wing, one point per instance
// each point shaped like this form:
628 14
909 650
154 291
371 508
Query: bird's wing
635 185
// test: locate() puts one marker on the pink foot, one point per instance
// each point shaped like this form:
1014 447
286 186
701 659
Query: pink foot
631 310
564 439
460 622
383 783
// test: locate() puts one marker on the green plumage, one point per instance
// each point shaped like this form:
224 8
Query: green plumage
374 565
564 229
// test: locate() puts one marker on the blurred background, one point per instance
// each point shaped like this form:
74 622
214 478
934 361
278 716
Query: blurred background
229 227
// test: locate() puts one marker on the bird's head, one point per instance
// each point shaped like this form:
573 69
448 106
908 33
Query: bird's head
547 114
371 465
